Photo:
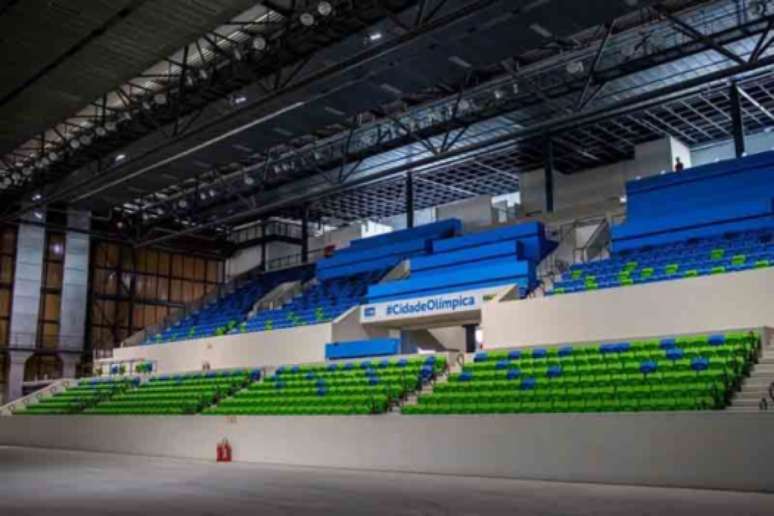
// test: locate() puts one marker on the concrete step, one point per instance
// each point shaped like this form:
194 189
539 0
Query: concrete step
749 403
751 395
757 384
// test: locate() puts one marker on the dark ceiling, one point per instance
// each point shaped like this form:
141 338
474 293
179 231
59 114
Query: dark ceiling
60 55
331 87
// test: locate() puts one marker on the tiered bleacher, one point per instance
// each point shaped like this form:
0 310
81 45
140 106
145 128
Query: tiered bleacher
175 395
686 373
322 302
687 259
503 256
227 313
353 388
74 400
711 219
340 283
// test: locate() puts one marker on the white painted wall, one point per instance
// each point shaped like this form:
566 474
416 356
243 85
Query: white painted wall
715 450
452 337
754 144
348 327
693 305
475 212
599 185
242 261
340 237
269 348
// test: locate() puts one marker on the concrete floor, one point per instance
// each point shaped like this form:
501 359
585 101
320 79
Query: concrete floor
39 482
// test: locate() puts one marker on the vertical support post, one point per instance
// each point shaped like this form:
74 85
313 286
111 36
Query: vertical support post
409 200
737 127
263 246
549 173
470 338
305 234
15 377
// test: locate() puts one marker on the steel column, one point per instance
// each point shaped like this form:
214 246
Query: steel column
409 200
548 169
737 127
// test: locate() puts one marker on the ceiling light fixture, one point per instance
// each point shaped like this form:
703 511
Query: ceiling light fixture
259 43
324 8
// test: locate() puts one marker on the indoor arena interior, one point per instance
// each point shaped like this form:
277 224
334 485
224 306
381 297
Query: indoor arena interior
387 257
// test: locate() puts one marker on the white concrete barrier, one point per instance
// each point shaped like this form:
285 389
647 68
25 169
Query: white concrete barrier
689 306
699 450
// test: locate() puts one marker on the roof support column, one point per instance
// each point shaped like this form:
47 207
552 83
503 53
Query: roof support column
264 265
548 170
409 200
305 234
737 127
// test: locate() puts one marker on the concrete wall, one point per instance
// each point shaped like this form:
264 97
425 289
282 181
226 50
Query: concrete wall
30 248
348 327
701 450
277 347
475 213
694 305
340 237
754 143
75 283
599 185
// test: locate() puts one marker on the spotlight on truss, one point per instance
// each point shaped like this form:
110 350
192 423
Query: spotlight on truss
324 8
259 43
307 19
575 67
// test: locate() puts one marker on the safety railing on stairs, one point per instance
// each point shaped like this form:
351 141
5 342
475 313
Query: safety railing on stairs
57 386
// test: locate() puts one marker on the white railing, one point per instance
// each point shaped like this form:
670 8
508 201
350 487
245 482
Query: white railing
55 387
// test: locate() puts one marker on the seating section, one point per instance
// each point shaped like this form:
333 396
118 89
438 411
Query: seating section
367 387
689 373
697 257
504 256
229 312
385 251
729 196
75 399
176 395
321 303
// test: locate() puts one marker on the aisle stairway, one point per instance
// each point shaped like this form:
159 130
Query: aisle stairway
758 386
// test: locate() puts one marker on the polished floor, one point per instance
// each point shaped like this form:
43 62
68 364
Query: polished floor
41 482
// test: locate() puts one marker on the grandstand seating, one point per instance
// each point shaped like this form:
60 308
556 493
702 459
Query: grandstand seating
324 301
503 256
731 196
175 395
696 257
227 313
687 373
77 398
367 387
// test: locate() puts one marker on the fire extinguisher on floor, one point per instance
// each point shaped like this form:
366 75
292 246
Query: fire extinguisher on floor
223 451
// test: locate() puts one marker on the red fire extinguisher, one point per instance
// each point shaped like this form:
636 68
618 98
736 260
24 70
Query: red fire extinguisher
223 450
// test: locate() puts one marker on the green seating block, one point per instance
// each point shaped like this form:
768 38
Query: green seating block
739 259
592 379
717 254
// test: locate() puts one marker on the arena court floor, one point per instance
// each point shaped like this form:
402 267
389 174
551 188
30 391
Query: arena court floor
35 482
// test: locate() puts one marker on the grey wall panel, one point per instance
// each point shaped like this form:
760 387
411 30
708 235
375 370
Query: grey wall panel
717 450
72 326
26 293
